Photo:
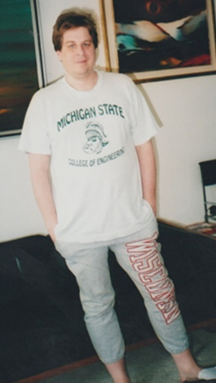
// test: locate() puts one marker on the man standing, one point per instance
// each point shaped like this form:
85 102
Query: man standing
92 166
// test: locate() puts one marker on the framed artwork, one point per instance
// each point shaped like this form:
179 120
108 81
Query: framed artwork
46 13
155 40
18 69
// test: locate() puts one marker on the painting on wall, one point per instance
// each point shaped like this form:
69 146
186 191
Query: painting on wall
46 12
18 68
152 39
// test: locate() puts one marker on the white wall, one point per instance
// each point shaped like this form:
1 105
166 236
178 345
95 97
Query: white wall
188 136
19 215
188 112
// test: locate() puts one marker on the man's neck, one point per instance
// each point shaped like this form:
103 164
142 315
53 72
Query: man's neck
83 83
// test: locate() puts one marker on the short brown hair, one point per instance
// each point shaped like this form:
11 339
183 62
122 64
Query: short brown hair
73 19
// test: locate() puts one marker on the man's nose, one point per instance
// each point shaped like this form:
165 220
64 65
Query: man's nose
80 49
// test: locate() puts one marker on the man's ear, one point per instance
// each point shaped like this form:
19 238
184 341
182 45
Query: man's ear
59 55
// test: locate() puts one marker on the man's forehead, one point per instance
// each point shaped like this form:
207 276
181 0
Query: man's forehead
77 33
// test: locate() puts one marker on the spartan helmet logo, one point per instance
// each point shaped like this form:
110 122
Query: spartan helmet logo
96 138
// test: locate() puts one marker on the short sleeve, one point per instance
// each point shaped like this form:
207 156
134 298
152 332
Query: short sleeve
143 123
34 136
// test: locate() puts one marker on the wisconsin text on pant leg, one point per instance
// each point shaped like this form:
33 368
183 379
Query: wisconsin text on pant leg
146 261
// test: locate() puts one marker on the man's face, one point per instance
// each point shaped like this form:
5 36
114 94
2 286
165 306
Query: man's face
78 53
93 145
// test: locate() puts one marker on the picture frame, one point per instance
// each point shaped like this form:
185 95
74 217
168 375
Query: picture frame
18 67
46 13
154 40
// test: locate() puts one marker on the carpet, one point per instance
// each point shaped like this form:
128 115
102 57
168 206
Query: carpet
146 363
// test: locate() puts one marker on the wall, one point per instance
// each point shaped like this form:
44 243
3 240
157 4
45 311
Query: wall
187 109
19 215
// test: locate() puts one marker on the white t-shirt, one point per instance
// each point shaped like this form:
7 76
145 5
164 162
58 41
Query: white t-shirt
91 137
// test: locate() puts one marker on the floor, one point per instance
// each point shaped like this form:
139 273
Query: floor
151 364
